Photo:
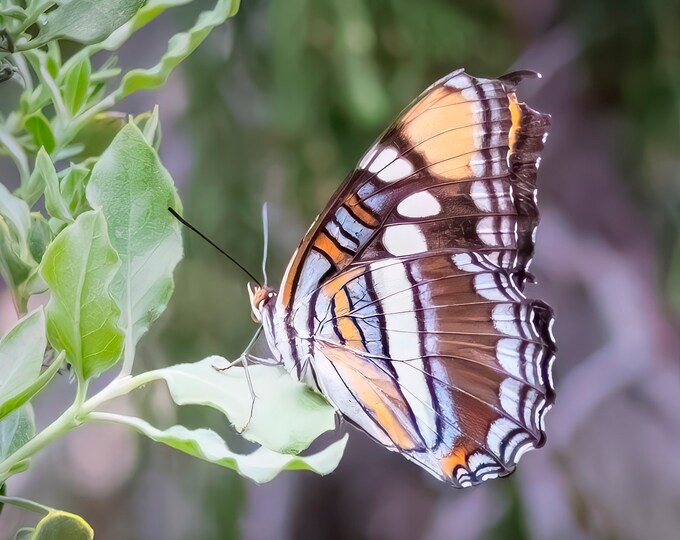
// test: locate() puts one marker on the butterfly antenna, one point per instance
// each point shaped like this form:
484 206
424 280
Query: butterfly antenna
213 244
265 229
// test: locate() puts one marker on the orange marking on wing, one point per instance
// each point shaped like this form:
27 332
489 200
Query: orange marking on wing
516 116
368 219
458 456
376 392
325 244
346 325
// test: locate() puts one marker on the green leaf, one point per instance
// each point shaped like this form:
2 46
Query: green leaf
76 85
72 188
134 192
150 10
16 262
286 415
39 128
86 21
82 316
15 211
16 429
179 47
30 391
262 465
59 525
98 133
24 534
150 125
21 356
39 237
54 202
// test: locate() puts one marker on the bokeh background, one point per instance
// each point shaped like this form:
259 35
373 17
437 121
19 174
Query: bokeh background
277 106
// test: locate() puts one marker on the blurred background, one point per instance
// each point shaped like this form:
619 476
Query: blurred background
277 106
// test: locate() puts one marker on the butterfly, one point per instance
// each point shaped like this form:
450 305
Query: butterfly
403 303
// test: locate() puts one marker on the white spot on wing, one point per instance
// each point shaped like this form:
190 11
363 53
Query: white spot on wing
421 204
405 239
481 196
397 170
384 158
368 157
459 82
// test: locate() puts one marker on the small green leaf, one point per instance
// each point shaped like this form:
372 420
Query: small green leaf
72 187
134 192
76 85
179 47
96 136
286 415
21 356
59 525
15 211
39 128
16 429
39 237
262 465
54 202
86 21
150 125
25 395
82 316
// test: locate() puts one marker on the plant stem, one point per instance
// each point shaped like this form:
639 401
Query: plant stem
26 504
61 425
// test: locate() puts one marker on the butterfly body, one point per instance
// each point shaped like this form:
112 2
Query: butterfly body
403 304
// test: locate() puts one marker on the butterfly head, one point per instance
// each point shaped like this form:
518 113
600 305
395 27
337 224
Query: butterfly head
260 299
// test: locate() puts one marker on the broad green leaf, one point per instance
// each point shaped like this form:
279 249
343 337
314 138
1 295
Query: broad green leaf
86 21
39 128
16 429
134 192
179 47
82 316
286 415
26 394
262 465
21 356
76 85
59 525
54 202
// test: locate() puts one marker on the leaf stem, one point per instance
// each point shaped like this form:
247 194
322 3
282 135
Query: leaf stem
26 504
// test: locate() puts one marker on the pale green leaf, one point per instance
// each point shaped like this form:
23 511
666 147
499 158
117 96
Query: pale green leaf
15 210
86 21
16 429
134 191
150 10
27 393
179 47
262 465
59 525
39 237
24 534
54 203
286 415
82 316
21 356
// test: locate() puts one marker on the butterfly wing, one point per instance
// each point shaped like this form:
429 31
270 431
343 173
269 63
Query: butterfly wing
406 294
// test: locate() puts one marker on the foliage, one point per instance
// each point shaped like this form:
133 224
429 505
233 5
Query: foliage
105 248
